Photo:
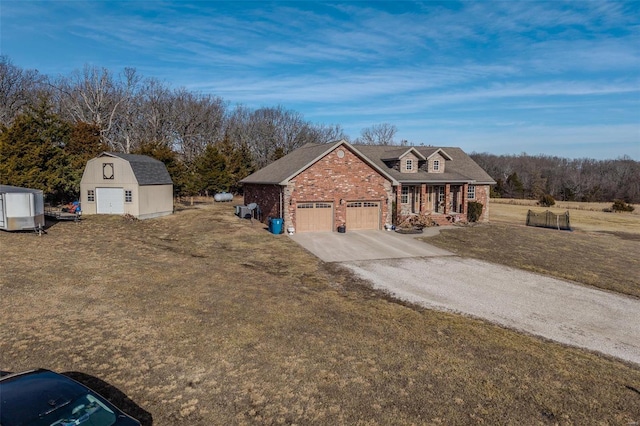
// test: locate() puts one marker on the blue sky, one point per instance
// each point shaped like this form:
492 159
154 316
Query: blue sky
501 77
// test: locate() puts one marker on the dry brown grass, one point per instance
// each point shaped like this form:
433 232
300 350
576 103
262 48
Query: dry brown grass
203 318
602 251
584 216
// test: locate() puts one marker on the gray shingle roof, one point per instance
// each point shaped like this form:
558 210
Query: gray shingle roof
461 168
291 164
147 170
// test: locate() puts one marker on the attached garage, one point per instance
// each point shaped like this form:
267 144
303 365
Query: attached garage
363 215
321 187
109 200
314 217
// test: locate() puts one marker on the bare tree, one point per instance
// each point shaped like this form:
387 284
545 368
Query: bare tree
378 134
18 89
197 121
94 96
321 133
146 116
268 132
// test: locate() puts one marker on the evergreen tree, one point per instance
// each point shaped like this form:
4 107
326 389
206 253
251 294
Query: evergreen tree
83 144
239 162
211 173
515 186
175 167
32 154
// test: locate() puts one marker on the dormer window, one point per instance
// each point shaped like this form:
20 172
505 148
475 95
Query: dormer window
409 165
436 165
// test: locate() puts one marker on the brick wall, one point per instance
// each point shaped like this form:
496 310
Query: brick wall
267 197
332 179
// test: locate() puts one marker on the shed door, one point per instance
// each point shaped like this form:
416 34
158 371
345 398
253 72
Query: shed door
363 215
110 200
314 217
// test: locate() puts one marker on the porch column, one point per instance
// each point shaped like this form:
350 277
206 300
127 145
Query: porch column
465 191
398 202
423 198
447 198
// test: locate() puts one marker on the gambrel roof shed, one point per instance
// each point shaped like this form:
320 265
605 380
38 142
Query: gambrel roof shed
117 183
147 170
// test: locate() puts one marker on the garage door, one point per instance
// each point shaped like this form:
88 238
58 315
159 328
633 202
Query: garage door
314 217
109 200
363 215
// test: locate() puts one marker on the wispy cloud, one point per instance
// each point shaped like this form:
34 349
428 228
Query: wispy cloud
498 66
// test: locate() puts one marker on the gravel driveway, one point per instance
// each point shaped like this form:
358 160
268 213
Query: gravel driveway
555 309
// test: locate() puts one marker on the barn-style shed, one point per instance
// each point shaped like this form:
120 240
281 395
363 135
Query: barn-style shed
116 183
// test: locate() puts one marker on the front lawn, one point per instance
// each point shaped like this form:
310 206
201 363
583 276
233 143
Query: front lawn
201 318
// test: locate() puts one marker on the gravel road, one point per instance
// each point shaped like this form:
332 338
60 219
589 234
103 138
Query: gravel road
558 310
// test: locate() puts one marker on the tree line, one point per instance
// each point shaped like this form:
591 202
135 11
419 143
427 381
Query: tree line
527 176
51 126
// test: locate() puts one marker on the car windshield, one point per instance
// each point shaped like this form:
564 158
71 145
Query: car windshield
86 410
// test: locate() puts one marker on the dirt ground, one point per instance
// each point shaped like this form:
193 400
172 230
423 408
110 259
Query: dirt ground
204 318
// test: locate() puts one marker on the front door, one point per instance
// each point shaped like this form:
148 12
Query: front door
416 200
440 197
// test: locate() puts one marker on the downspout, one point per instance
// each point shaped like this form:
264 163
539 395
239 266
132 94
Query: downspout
282 204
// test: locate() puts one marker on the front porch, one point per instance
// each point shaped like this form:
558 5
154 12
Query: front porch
446 204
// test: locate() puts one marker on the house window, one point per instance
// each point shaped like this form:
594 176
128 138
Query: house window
404 199
91 195
436 165
471 192
107 171
128 196
409 165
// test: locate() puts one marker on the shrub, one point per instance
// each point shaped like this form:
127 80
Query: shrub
621 206
474 211
546 200
416 221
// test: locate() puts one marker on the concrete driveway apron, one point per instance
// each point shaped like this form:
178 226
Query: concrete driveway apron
415 271
365 245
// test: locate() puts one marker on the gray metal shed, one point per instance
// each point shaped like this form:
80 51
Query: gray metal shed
21 208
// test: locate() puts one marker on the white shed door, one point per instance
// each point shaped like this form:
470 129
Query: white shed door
110 200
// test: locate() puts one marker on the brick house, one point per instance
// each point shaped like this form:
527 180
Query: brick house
319 187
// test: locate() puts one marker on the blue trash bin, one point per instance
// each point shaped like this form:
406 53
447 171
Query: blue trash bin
275 225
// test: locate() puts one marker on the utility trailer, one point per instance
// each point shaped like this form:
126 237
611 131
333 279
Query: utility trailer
21 209
71 211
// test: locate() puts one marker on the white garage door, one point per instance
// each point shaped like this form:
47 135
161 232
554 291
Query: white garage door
110 200
363 215
314 217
